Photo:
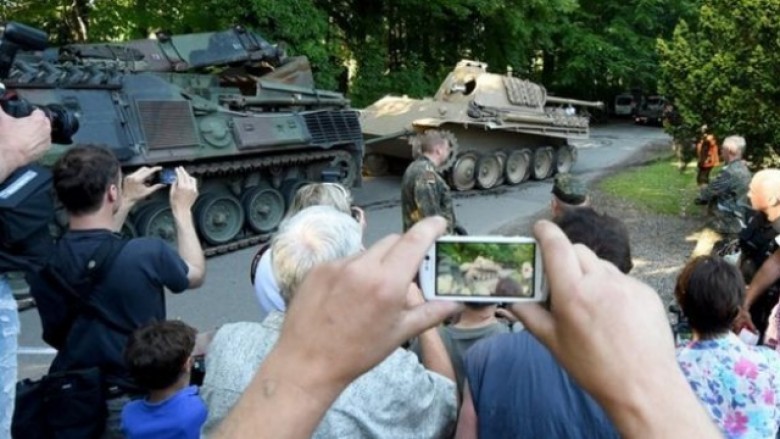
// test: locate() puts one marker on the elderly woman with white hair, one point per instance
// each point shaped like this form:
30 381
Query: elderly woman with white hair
314 194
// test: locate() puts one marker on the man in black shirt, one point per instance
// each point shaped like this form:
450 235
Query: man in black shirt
130 293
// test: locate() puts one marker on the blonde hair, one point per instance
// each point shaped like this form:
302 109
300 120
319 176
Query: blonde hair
321 194
427 141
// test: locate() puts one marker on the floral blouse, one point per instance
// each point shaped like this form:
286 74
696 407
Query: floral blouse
737 383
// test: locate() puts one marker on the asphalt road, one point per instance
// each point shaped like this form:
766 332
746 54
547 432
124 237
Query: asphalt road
227 295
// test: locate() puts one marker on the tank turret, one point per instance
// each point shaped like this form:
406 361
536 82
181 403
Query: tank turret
230 107
505 129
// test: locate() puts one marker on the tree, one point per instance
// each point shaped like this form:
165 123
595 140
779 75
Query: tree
721 71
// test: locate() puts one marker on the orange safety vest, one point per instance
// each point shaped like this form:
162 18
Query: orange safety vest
707 152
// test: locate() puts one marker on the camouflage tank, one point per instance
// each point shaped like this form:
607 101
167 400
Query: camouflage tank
503 129
230 107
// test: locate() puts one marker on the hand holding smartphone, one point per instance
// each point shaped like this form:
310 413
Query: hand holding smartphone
483 269
167 176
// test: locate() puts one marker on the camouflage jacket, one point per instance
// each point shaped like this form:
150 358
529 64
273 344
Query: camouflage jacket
425 193
729 189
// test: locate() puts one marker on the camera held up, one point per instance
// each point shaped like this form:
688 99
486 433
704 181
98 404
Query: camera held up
15 37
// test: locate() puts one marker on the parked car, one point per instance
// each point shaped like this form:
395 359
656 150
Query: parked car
625 105
651 112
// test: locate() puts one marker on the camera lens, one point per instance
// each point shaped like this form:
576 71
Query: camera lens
64 123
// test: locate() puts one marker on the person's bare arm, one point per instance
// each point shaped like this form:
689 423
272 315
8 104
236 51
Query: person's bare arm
135 189
467 419
767 274
184 192
432 350
22 140
634 376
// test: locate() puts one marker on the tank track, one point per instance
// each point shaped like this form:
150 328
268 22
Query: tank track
204 171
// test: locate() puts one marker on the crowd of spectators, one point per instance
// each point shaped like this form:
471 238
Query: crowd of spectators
327 360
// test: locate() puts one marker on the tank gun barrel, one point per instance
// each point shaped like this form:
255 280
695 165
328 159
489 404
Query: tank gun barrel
592 104
275 93
525 118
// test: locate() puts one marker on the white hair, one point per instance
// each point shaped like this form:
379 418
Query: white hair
735 144
313 236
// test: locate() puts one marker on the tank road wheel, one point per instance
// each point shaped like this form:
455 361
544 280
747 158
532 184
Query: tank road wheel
543 163
347 168
375 165
518 166
264 207
501 157
219 217
565 156
156 219
289 188
463 175
488 171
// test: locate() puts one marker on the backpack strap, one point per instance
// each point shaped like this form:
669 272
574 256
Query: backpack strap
97 267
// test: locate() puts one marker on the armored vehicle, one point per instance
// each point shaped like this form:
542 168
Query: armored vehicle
230 107
503 129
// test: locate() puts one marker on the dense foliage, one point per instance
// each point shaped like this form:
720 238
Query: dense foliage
581 48
722 71
506 255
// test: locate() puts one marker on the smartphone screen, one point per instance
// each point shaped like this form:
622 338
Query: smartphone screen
485 269
167 176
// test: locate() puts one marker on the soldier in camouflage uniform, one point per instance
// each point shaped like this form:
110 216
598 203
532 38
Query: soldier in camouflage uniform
727 193
424 192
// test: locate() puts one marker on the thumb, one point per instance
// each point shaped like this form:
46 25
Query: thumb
428 315
537 320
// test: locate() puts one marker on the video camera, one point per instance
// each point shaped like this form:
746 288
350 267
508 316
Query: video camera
16 36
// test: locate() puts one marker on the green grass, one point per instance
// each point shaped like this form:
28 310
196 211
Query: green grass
659 187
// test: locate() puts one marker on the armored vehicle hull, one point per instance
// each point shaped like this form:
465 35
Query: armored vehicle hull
504 130
252 132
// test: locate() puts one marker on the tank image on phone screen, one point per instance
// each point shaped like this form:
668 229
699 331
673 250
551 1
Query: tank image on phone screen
485 269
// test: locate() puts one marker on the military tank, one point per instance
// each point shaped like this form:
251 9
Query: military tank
504 129
229 106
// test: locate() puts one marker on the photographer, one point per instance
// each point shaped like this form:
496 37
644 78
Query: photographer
22 141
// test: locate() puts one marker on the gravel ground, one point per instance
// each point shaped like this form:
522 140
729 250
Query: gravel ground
660 244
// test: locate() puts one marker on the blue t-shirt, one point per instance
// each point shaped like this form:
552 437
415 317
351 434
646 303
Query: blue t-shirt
179 417
520 391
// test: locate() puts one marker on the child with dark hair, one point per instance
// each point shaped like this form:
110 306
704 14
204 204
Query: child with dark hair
159 357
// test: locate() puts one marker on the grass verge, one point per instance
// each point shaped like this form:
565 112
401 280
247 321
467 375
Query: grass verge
658 186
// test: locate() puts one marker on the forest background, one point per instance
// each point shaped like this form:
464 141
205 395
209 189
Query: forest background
716 59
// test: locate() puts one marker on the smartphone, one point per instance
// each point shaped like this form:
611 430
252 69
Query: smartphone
167 176
483 269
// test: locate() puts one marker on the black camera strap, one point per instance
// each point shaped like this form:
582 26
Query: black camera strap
97 267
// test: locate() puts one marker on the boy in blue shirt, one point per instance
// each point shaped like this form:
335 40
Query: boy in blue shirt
159 357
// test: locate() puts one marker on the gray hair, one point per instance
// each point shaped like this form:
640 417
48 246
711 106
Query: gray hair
735 144
321 194
315 235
